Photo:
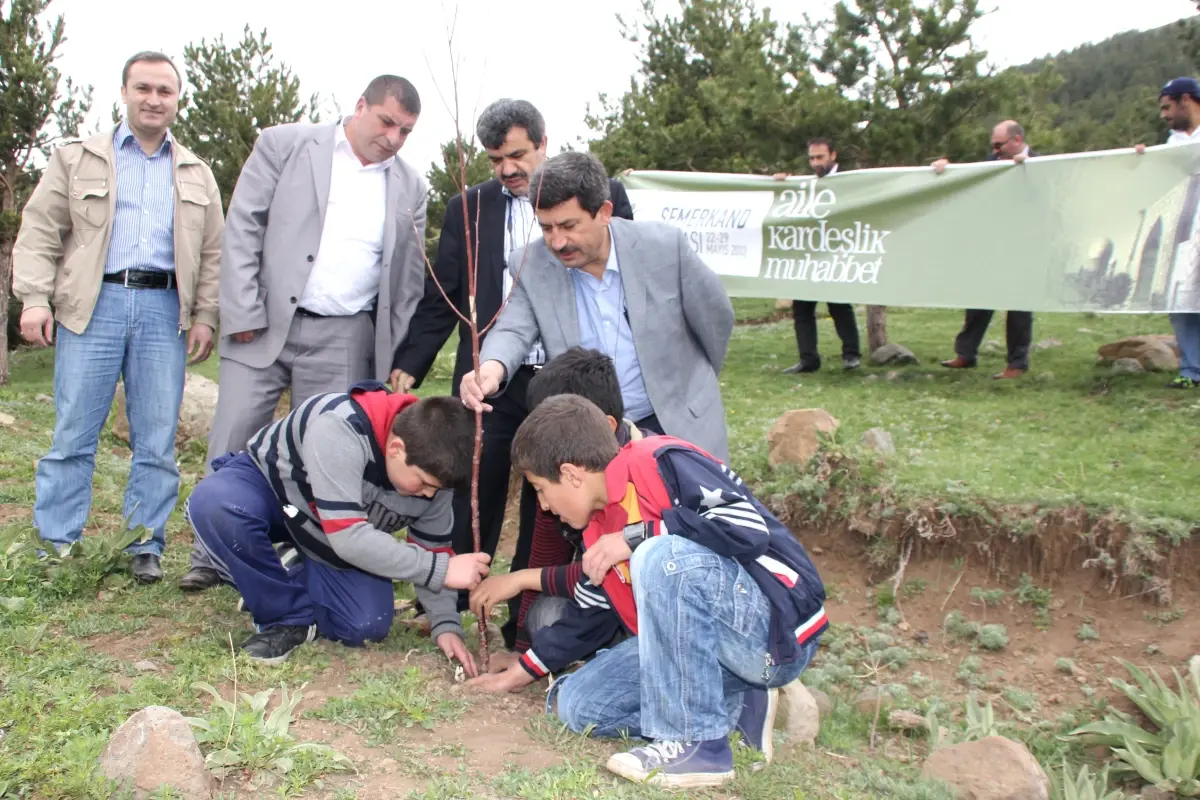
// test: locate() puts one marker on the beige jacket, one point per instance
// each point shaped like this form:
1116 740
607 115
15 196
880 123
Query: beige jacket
62 246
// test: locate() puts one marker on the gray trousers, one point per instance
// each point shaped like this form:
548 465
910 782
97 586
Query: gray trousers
321 354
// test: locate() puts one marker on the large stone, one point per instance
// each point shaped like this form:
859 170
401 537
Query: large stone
783 305
993 768
1129 346
793 439
824 703
893 355
798 714
195 411
155 748
1127 366
1157 357
879 440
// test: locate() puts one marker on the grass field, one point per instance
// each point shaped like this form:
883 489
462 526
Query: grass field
81 647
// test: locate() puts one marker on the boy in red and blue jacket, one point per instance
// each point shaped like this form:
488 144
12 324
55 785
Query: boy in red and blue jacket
723 602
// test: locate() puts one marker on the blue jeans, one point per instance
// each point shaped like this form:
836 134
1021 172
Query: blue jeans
703 640
237 518
134 334
1187 336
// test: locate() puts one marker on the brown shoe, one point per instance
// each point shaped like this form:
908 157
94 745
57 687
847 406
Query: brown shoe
958 362
1008 374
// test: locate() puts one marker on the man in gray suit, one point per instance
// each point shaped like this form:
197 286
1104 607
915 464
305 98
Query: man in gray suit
633 290
322 266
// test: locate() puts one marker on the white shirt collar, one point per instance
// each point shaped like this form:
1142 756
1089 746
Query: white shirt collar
340 142
612 253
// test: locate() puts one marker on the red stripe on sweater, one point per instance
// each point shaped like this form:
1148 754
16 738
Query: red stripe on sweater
331 526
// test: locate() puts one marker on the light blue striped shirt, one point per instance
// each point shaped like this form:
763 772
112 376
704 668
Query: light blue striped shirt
604 326
143 226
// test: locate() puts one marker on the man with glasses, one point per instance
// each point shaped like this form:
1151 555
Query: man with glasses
1008 142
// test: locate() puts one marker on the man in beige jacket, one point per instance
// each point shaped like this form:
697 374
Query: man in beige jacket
122 238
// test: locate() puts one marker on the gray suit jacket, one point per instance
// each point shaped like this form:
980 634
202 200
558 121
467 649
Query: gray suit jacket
273 231
679 313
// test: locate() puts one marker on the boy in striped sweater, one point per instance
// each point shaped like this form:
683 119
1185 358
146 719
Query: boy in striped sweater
336 479
723 602
547 586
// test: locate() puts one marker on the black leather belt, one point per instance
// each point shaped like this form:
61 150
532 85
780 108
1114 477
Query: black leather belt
304 312
142 279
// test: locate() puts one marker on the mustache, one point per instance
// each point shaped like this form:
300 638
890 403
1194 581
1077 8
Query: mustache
513 175
566 251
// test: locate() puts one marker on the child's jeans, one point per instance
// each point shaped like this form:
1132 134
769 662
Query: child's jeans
238 518
703 639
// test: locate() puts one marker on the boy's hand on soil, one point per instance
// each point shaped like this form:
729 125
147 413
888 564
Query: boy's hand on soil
608 551
491 591
466 570
503 660
512 679
456 650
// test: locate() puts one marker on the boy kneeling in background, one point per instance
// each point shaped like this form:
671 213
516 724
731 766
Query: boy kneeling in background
335 479
723 602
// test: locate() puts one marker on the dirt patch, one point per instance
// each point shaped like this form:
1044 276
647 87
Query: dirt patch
13 512
941 579
131 647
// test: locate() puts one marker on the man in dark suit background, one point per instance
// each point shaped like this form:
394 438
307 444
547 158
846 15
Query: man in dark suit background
822 160
1008 143
513 132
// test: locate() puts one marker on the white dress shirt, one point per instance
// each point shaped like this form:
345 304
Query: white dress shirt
349 263
520 228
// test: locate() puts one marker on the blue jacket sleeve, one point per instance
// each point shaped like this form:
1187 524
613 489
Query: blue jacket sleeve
713 507
588 625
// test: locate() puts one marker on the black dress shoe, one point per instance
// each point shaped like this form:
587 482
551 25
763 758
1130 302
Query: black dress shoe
197 579
801 367
146 568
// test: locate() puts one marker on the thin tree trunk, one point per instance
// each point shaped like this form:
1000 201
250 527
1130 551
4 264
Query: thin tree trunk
5 293
876 328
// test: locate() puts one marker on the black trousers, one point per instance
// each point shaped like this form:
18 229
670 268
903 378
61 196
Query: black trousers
804 317
1018 335
495 462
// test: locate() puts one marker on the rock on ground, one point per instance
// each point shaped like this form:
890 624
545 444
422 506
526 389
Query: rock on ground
1127 365
892 354
195 411
798 714
993 768
793 439
155 748
1156 352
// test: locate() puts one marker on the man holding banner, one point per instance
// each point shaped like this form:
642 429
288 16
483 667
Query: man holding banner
822 159
1008 142
1179 105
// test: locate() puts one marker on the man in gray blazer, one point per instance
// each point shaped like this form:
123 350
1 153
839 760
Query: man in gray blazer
633 290
322 266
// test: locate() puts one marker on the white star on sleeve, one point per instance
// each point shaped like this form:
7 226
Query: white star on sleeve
712 498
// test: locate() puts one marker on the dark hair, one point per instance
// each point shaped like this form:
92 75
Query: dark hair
439 438
821 140
568 175
152 57
394 86
505 114
587 373
564 429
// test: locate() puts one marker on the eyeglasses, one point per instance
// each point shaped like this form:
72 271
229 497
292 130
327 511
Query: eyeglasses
998 145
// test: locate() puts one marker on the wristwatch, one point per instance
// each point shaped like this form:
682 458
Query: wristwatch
636 533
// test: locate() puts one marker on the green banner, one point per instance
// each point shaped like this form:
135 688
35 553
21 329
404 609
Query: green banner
1112 231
